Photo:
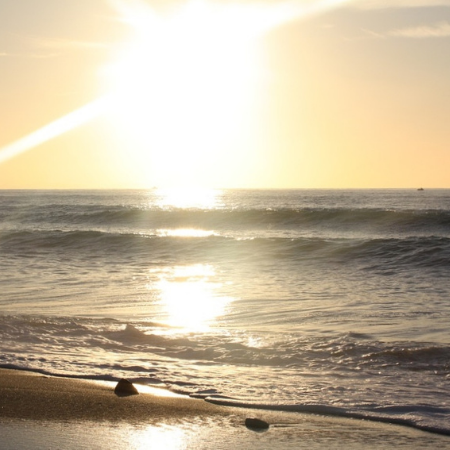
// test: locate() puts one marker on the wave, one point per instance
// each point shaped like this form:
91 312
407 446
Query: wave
368 253
88 216
345 351
400 415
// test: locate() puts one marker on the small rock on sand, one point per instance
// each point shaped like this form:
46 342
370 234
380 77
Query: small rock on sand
125 387
257 424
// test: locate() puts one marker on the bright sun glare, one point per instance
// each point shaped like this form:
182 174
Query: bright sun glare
188 198
182 85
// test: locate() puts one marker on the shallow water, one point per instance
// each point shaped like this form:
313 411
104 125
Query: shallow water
310 432
317 299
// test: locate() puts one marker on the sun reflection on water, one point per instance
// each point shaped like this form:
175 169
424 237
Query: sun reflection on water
186 232
188 198
189 296
159 437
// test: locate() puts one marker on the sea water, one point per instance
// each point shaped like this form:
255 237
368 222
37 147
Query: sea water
328 301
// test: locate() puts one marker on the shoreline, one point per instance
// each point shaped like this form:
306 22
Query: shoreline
34 396
51 408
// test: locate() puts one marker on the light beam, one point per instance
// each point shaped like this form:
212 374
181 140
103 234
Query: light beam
54 129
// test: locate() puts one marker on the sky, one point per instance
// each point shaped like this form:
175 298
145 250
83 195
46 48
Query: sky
215 93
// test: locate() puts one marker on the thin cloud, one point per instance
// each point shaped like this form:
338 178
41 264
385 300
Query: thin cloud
439 30
370 34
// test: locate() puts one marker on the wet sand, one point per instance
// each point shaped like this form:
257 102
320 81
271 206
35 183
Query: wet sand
38 411
27 395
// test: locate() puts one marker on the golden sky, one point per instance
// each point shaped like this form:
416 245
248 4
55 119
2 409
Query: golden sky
215 93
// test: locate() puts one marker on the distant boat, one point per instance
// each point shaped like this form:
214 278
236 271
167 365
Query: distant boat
420 189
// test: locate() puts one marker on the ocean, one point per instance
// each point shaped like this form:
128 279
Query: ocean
326 301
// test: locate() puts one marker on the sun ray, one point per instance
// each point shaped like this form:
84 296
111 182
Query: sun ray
54 129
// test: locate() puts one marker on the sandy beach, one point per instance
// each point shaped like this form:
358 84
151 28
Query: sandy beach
38 411
27 395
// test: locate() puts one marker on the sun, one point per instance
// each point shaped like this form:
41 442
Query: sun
183 86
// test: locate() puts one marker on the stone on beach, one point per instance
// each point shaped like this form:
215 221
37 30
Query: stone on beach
125 387
256 423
